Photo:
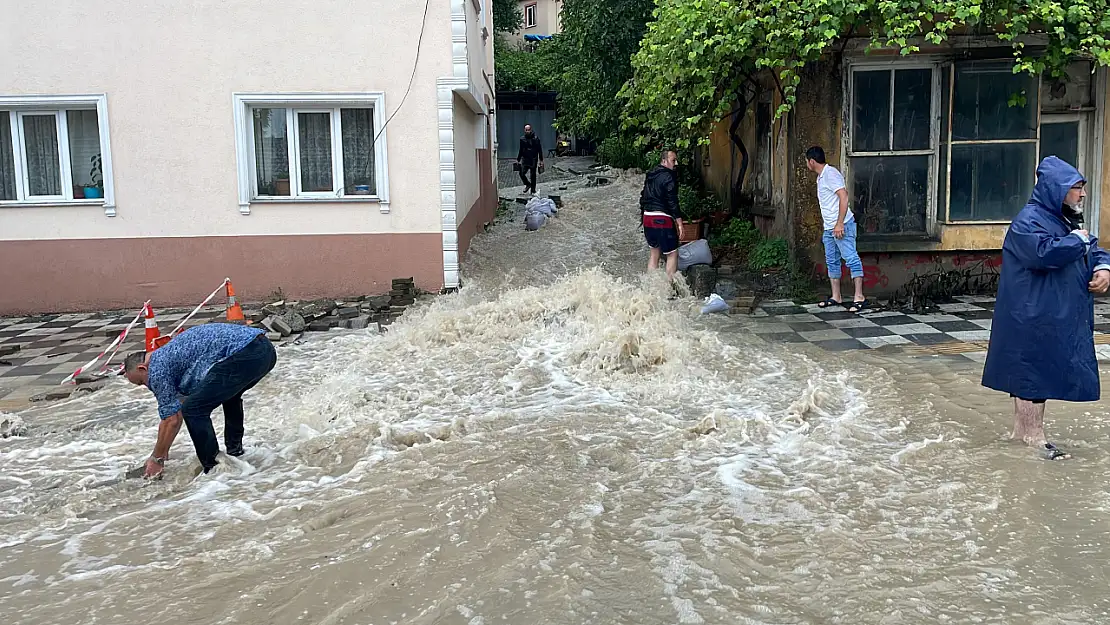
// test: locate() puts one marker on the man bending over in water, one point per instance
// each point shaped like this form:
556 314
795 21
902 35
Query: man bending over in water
210 365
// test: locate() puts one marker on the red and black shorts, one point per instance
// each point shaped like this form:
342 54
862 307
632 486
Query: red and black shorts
660 232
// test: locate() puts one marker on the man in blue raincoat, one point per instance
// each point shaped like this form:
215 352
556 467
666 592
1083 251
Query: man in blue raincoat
1042 344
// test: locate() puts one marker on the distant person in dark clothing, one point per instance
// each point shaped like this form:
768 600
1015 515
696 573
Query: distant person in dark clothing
531 152
659 212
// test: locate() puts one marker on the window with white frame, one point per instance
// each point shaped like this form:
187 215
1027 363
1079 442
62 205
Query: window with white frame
530 16
935 141
312 148
54 150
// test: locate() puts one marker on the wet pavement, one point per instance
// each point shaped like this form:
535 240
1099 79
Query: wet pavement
560 443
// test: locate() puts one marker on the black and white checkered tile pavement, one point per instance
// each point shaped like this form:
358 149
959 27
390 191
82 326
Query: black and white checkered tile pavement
53 346
965 320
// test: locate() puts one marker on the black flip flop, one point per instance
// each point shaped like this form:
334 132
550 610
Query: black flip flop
1052 452
859 306
829 303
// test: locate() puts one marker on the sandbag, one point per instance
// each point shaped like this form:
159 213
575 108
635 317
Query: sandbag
694 253
541 205
534 220
714 304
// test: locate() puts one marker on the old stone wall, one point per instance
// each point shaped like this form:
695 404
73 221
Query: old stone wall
815 120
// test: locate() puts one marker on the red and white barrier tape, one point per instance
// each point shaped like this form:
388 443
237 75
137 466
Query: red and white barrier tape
199 306
114 346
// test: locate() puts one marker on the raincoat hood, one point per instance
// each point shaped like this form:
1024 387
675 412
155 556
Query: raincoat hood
1054 179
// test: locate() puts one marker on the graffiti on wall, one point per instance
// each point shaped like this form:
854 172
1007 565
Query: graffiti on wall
890 270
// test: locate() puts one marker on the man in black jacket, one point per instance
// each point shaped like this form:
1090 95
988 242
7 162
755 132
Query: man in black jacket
659 210
530 151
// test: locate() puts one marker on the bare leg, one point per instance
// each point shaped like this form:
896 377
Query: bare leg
1029 428
835 284
859 289
1029 422
672 265
653 259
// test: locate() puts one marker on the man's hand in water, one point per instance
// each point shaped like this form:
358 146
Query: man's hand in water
153 468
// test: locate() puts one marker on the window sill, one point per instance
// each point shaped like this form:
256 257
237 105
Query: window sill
976 223
109 209
896 242
383 205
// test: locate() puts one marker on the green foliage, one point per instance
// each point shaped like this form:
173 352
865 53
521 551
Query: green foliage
801 286
698 55
599 38
506 16
740 234
691 205
622 152
695 203
769 254
521 69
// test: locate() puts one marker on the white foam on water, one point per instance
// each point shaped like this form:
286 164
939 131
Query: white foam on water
558 390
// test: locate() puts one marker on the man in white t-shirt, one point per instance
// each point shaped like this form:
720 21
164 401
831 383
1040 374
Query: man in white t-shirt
840 230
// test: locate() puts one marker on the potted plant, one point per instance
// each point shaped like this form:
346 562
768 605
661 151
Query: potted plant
95 189
361 185
281 181
691 206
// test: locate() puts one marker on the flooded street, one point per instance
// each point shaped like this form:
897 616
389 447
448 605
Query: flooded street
558 443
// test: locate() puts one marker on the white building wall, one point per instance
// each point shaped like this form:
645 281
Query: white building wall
169 71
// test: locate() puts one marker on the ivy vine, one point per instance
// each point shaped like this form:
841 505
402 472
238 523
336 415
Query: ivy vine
699 57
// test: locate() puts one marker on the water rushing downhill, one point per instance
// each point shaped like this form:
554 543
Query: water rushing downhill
559 443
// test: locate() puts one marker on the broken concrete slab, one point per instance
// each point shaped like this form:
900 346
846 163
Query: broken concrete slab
274 309
89 387
348 313
309 310
318 326
53 394
273 336
295 321
277 324
702 279
742 305
358 323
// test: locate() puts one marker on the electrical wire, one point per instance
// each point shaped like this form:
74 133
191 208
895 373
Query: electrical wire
412 77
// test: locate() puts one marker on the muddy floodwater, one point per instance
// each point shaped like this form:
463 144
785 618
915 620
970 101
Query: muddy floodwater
558 443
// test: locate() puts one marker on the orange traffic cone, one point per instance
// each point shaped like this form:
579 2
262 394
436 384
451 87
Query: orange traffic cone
152 332
234 310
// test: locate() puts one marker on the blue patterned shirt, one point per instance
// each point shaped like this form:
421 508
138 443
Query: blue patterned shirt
178 368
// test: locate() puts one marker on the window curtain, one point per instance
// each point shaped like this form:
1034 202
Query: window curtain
84 144
315 152
44 172
7 160
271 151
358 149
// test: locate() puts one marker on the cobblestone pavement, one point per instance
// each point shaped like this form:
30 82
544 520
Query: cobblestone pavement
507 178
961 328
37 353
